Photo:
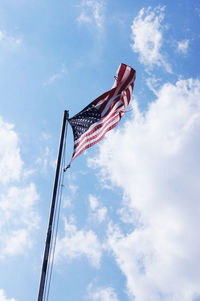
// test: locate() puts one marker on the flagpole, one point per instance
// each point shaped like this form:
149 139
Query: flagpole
52 211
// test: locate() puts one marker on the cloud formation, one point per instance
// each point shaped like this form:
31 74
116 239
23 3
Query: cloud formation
10 160
9 41
3 296
98 213
157 164
147 37
101 294
56 76
77 243
91 12
183 46
18 219
18 216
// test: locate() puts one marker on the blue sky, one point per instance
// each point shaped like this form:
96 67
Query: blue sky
130 210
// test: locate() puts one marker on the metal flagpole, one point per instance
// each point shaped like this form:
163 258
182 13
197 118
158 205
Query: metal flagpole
51 216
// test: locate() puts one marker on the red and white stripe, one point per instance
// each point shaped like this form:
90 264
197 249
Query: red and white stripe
112 106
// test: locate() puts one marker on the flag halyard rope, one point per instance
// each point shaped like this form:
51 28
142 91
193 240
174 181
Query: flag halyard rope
56 220
49 252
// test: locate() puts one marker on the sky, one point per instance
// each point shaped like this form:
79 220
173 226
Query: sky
129 219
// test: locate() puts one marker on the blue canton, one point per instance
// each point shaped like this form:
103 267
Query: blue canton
82 121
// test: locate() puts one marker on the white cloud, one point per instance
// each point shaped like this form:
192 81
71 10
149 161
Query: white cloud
56 76
153 84
98 212
9 41
10 160
183 46
45 161
77 243
91 12
155 160
72 189
18 217
148 38
101 293
67 203
93 202
3 296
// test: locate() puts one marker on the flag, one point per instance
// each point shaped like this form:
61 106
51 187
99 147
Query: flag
104 113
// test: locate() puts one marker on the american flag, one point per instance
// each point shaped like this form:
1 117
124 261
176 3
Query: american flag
104 113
